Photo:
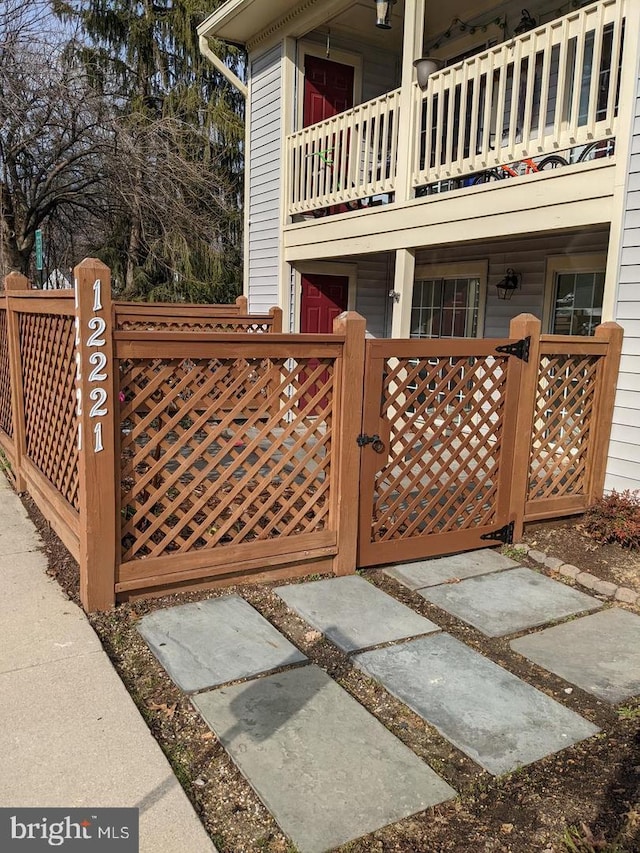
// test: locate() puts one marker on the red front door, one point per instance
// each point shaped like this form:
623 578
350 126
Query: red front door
323 298
328 89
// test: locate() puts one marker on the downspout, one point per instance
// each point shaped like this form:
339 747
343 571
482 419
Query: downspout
219 65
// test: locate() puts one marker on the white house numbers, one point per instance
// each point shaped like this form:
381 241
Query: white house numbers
95 341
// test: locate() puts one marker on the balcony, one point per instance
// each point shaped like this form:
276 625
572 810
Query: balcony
553 90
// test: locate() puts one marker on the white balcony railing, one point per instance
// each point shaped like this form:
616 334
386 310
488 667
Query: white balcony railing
348 157
549 90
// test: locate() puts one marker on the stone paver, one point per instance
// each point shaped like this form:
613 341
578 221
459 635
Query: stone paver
511 601
599 653
213 642
487 712
433 572
326 769
628 596
352 613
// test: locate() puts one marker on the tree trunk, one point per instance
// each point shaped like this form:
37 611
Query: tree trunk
135 234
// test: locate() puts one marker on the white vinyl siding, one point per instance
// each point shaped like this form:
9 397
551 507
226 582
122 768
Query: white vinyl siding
623 467
264 178
375 280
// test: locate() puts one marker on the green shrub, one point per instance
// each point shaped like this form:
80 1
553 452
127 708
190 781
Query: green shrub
615 518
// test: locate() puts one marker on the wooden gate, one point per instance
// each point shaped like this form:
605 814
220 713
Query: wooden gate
438 435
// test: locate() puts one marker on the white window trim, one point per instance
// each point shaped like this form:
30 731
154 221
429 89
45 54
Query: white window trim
587 262
344 57
461 269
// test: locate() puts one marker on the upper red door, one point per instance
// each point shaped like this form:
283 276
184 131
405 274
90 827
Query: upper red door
328 89
323 298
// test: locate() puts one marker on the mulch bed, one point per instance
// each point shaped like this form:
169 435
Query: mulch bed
581 800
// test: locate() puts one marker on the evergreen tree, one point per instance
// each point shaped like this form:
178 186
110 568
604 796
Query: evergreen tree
175 230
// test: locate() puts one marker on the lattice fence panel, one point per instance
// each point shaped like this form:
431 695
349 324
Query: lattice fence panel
562 425
446 428
154 324
6 414
222 452
48 369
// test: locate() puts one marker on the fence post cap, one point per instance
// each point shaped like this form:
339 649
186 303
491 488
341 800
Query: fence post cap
526 317
16 281
91 262
610 325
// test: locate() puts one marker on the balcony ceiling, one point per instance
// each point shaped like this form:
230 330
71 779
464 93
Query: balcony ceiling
239 21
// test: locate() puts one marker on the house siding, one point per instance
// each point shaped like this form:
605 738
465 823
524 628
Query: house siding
528 256
623 467
375 280
265 134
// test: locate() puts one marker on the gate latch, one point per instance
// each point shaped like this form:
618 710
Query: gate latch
520 349
374 440
504 534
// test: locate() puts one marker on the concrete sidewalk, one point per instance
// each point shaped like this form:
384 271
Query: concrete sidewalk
70 734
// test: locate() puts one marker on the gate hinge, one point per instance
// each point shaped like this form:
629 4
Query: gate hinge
504 534
520 349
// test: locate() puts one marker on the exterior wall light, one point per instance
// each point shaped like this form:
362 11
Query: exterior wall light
383 14
508 284
526 23
425 67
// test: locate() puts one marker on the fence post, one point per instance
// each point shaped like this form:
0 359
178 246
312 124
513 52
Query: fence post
522 326
276 323
602 417
243 305
96 435
16 282
352 326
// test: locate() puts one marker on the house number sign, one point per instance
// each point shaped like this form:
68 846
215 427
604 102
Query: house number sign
94 342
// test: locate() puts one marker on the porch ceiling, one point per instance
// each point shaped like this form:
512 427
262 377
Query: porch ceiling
240 21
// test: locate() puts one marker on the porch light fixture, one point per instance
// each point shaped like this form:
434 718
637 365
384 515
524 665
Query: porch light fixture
383 14
425 67
526 23
508 284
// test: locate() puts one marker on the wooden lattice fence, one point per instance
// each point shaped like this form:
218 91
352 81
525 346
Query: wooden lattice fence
6 417
132 316
571 421
172 447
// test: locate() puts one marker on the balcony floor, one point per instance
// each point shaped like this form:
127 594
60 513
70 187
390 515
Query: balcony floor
572 197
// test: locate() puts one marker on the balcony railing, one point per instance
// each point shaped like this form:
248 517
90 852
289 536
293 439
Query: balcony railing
348 157
549 90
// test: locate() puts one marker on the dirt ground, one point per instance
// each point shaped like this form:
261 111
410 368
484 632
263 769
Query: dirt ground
567 540
582 800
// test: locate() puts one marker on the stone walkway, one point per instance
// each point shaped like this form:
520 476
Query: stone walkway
320 762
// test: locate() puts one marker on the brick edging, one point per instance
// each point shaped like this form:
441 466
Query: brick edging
585 579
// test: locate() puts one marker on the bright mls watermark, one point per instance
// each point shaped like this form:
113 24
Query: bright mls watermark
84 830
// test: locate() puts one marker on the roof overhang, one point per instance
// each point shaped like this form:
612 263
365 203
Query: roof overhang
239 21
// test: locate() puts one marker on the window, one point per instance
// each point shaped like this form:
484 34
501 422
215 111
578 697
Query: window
445 307
578 303
575 286
448 302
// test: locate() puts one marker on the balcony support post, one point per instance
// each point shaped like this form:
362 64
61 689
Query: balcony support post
403 284
413 37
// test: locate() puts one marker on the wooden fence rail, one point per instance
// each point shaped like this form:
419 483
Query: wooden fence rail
172 448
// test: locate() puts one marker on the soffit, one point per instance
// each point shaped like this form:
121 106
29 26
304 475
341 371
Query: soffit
243 21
